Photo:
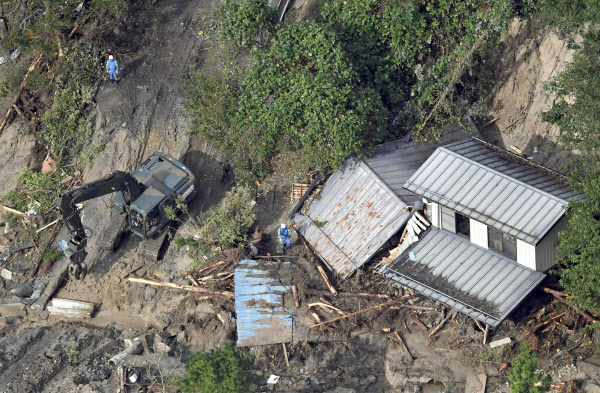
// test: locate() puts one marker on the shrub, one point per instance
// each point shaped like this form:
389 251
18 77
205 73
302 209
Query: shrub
222 370
523 376
247 23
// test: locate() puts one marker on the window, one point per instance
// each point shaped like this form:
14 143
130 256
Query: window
502 243
463 225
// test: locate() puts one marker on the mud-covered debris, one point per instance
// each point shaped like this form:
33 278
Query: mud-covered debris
23 290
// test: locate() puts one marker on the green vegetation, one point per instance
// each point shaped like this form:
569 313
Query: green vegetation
363 72
523 377
34 189
222 370
248 23
226 226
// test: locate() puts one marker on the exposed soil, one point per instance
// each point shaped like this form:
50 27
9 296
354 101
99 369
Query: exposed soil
155 46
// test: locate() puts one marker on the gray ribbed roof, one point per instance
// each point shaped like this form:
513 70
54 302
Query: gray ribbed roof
495 187
477 282
395 162
354 215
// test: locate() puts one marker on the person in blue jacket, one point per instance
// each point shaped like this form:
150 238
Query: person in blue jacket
284 234
112 67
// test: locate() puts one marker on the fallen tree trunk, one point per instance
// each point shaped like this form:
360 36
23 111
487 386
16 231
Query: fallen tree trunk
179 286
560 298
383 305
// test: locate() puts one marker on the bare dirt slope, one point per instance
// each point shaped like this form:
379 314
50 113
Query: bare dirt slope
527 59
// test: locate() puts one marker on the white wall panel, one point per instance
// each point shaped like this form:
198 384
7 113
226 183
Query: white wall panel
526 254
479 233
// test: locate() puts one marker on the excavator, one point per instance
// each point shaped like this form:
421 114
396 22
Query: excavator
147 201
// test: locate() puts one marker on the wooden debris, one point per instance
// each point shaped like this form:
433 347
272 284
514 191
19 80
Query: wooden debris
485 333
41 259
327 307
535 329
399 339
490 122
13 211
560 298
189 277
180 286
48 225
348 294
415 318
315 316
298 189
383 305
501 342
517 150
441 324
287 360
71 308
502 367
295 294
324 275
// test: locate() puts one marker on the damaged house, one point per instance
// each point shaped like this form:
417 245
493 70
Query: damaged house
494 216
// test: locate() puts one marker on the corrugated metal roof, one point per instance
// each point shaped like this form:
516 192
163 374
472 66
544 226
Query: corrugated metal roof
495 187
396 162
477 282
262 317
354 215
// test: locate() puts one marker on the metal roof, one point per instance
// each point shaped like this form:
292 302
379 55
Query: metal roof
262 317
354 215
396 162
495 187
477 282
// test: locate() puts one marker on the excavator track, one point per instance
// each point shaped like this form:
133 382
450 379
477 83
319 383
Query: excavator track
111 239
153 247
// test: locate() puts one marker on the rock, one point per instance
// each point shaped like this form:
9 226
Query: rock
150 292
23 290
6 274
341 390
371 378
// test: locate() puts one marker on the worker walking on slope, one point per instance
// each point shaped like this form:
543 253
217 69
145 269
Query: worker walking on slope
284 234
112 67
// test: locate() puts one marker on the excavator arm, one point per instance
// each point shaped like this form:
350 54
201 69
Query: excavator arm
75 248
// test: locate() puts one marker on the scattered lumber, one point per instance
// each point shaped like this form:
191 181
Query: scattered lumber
326 307
48 225
326 279
41 259
415 318
180 286
399 340
485 333
295 294
441 324
13 211
379 306
535 329
560 298
501 342
71 308
287 360
348 294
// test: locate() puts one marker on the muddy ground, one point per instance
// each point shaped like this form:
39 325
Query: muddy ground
156 45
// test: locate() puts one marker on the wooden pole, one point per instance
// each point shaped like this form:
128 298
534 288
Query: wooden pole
324 275
179 286
13 211
403 345
287 361
319 292
383 305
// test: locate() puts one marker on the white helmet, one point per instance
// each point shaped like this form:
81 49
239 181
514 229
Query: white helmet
283 226
110 57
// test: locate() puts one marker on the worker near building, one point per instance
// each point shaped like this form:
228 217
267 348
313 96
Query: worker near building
284 234
112 67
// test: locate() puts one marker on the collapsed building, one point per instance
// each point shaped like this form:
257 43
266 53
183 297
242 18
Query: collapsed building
495 218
